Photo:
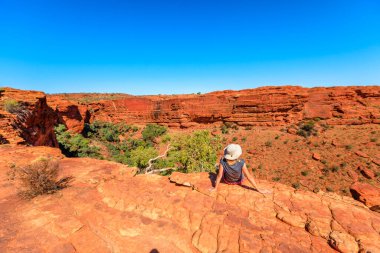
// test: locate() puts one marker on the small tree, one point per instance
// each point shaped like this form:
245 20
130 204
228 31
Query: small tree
140 156
196 152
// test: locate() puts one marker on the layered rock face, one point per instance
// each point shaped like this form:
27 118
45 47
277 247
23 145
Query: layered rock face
268 106
108 209
31 122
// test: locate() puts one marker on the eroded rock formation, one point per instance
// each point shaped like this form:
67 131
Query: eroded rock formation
108 209
268 106
31 122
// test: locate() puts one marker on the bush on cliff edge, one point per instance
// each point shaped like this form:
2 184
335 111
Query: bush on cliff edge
40 177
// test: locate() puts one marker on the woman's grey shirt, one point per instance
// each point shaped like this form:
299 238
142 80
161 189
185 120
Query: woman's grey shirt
232 173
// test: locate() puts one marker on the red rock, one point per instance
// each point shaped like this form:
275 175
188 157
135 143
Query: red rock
266 106
336 143
353 175
34 124
376 161
292 130
366 193
316 156
362 154
368 173
108 209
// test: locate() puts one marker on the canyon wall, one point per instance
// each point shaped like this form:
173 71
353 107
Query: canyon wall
29 121
267 106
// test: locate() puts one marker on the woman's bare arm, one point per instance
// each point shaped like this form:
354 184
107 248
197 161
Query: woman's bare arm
250 177
219 177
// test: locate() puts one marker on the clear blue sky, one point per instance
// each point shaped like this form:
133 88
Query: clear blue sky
178 46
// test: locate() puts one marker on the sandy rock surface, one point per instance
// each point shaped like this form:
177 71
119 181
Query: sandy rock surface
108 209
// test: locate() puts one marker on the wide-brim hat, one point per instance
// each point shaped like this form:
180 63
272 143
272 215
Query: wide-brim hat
232 152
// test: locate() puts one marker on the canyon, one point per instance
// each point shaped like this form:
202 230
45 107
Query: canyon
325 187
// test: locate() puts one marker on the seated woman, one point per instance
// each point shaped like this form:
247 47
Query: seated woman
232 169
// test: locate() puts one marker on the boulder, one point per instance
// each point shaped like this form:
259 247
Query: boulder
316 156
366 193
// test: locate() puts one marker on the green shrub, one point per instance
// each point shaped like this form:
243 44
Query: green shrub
107 131
329 189
306 129
276 179
152 131
140 156
334 168
40 177
224 129
2 90
296 185
268 144
12 106
373 139
304 173
196 152
75 145
248 128
349 147
234 139
244 139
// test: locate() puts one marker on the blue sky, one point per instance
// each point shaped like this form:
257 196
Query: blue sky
167 47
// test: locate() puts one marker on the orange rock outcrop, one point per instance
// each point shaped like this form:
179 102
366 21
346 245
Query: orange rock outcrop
268 106
108 209
33 123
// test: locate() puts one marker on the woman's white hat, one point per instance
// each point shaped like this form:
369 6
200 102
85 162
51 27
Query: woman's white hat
232 152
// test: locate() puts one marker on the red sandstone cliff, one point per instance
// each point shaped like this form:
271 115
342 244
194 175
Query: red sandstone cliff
269 106
33 123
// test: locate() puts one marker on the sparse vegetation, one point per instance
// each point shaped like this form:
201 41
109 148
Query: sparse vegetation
234 139
334 168
296 185
152 131
329 189
12 106
276 179
40 177
224 129
373 139
75 145
349 147
306 129
304 173
268 144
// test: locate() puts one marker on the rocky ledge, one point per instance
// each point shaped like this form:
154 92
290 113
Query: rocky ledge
109 209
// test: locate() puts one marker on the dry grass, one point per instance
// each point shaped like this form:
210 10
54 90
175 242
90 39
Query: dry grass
40 177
